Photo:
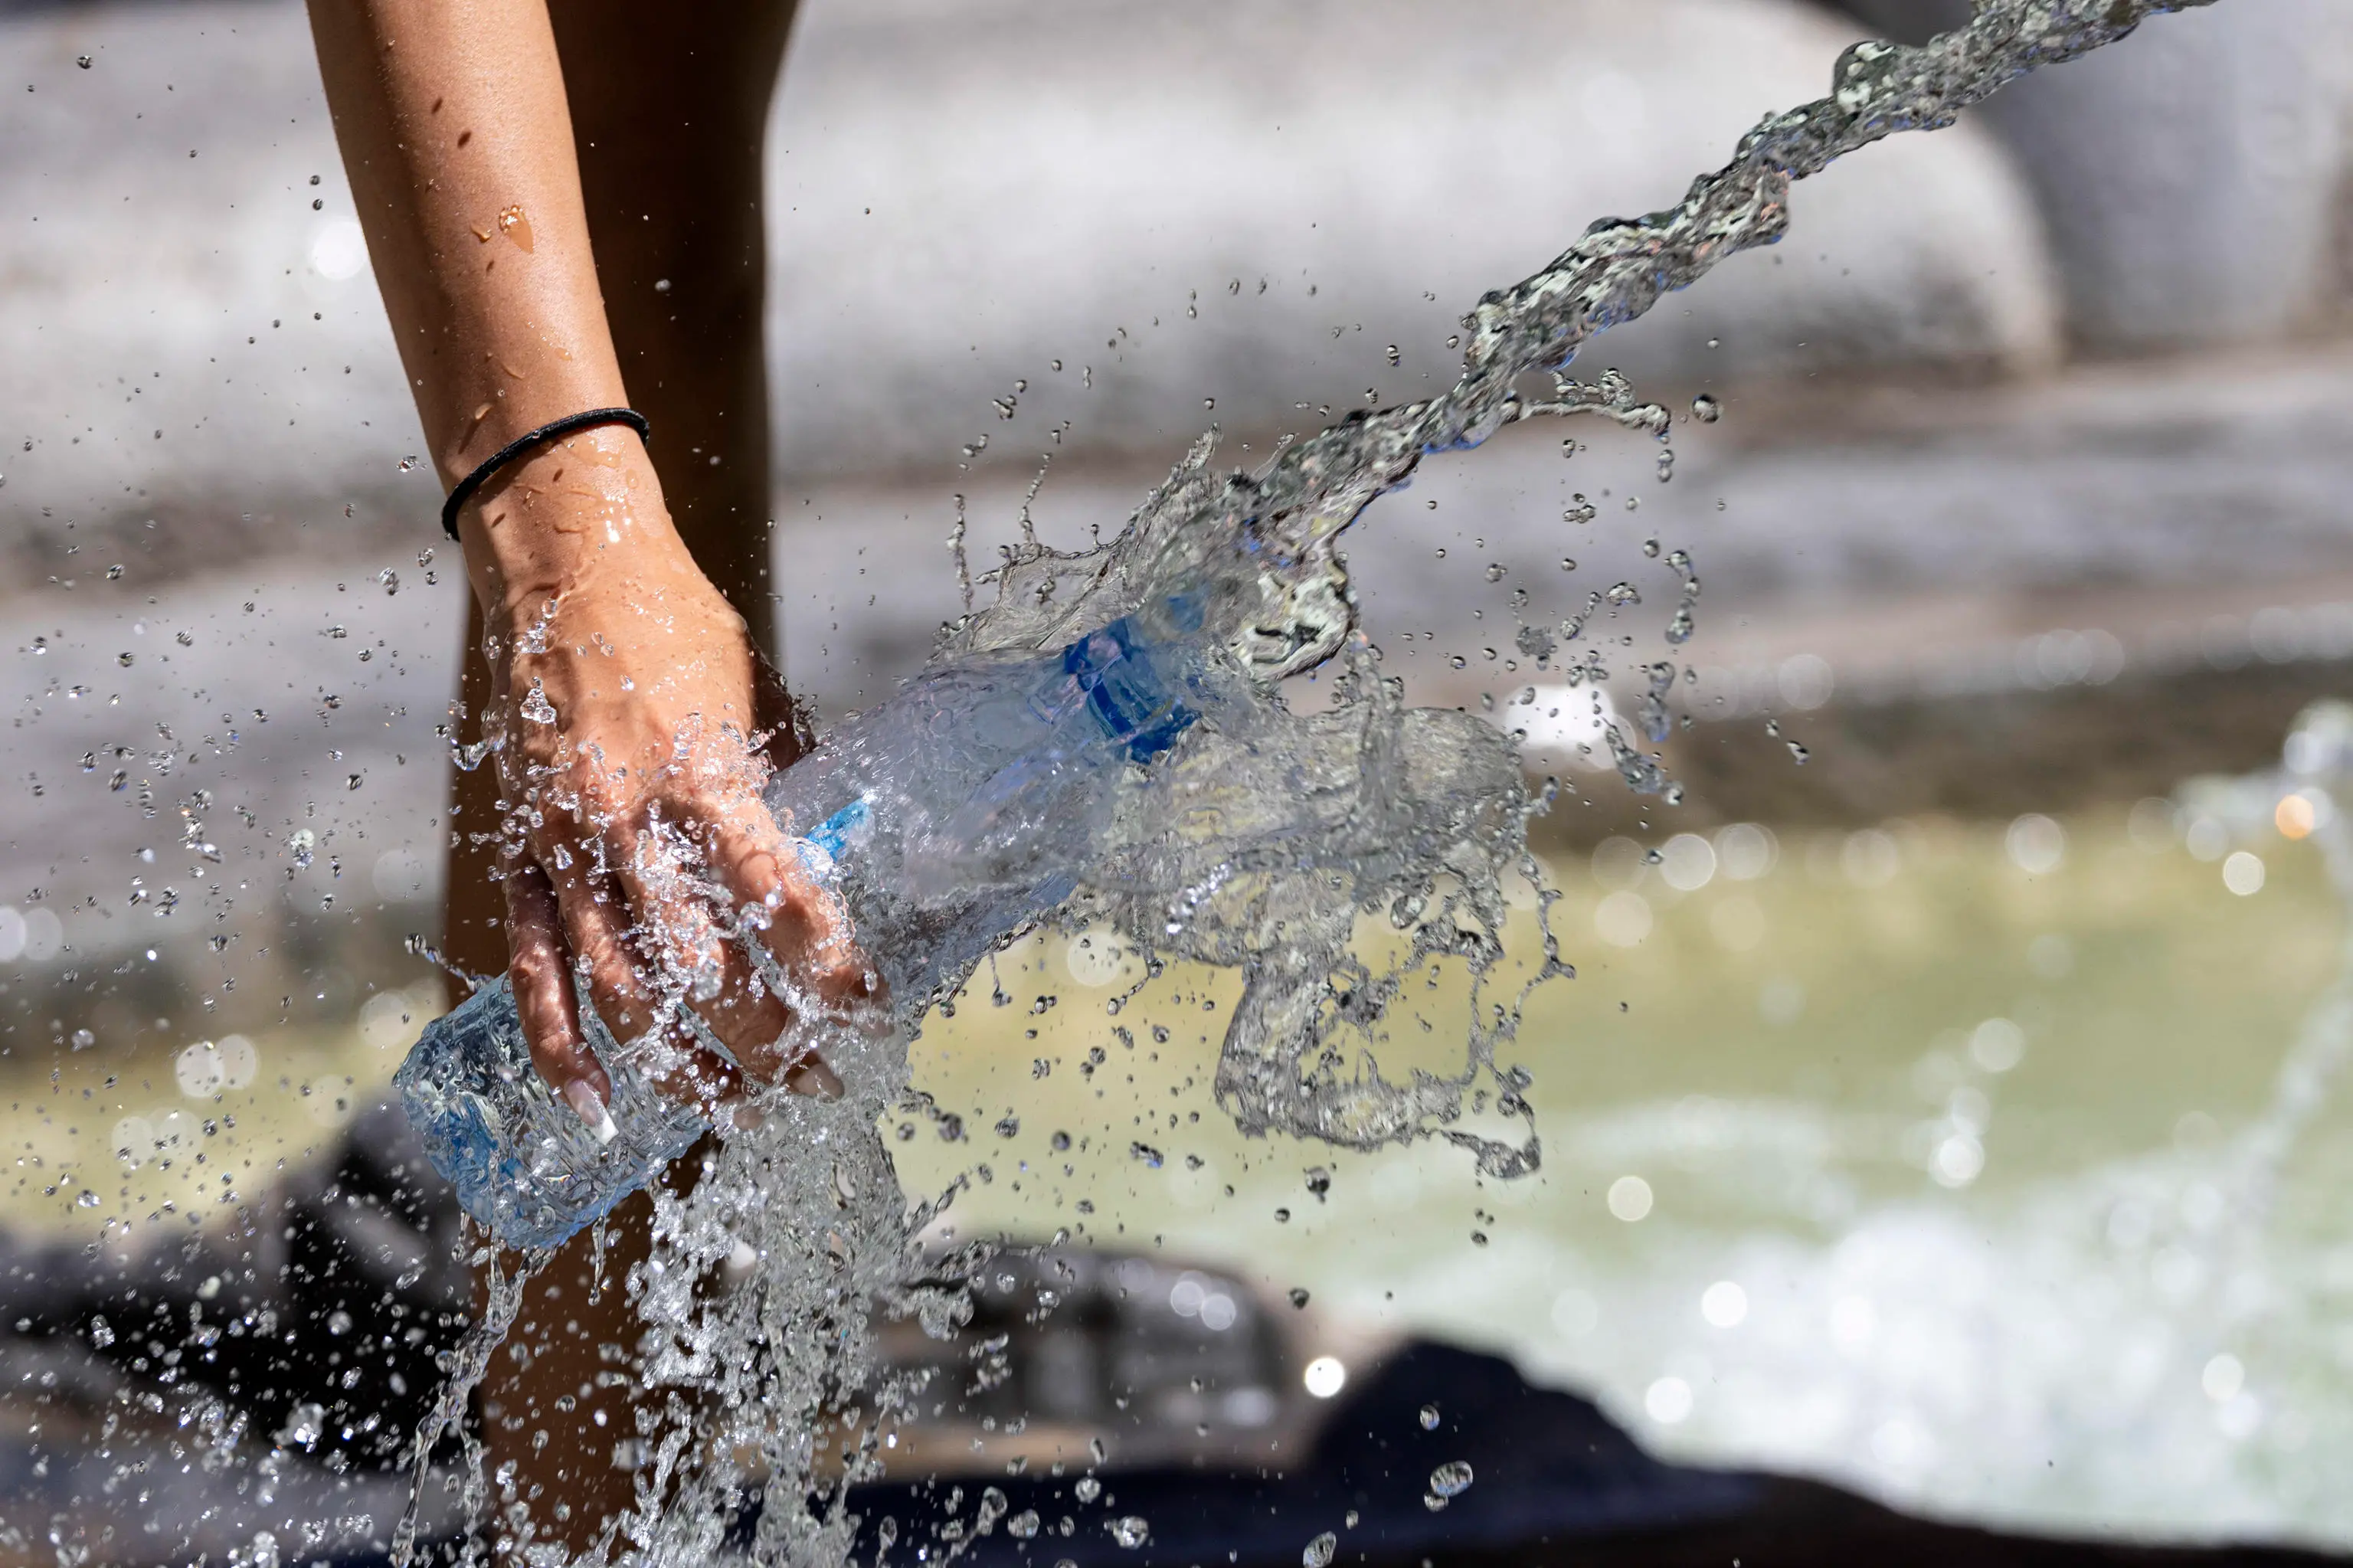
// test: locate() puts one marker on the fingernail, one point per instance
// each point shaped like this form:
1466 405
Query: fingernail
591 1110
811 1077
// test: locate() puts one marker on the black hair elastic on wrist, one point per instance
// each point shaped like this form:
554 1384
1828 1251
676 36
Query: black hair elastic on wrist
524 442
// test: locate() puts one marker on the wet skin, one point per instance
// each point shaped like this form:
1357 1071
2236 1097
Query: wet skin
563 207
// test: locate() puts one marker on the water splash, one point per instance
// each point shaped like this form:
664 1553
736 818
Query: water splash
1255 850
503 1297
1269 537
1256 845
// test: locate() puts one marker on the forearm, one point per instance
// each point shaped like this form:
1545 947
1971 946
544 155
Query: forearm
458 141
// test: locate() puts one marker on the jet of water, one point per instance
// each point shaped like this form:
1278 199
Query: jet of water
1257 843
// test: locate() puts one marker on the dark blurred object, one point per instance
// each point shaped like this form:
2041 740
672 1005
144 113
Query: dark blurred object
1157 1363
166 1402
1546 1469
169 1399
325 1301
1553 1482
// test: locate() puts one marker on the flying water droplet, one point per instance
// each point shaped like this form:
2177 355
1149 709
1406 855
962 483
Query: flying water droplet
1450 1479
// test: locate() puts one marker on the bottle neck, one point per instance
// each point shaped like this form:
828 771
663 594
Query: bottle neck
1133 675
835 837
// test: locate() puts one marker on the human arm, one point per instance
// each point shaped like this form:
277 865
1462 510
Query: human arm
637 798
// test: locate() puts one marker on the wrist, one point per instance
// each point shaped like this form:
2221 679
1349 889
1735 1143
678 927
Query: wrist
555 520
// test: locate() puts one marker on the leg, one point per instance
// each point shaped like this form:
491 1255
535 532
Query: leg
670 122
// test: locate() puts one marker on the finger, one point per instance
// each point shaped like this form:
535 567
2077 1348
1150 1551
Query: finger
544 1002
595 925
805 927
679 1068
720 986
811 1077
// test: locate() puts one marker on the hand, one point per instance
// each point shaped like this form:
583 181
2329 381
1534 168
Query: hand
637 851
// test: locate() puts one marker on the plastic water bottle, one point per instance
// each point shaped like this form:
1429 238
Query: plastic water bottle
954 813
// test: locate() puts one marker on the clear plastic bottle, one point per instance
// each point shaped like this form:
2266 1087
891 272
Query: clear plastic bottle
956 812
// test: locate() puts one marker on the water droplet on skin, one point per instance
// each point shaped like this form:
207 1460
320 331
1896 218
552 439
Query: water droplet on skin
1320 1551
515 226
1429 1418
1706 410
1131 1531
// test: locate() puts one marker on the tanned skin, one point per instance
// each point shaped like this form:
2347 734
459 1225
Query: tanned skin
562 208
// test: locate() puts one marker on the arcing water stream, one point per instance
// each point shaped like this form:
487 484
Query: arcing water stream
1255 845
